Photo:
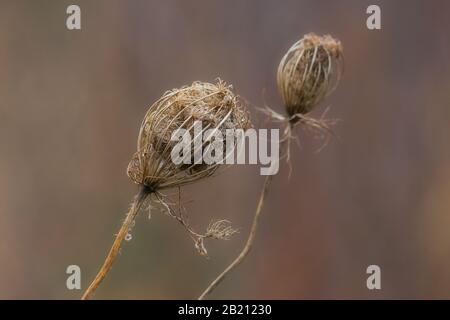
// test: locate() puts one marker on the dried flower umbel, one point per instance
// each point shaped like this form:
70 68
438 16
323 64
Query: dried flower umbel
152 168
214 105
307 73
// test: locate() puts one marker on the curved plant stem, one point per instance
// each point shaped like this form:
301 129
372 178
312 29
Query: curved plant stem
248 244
124 229
285 143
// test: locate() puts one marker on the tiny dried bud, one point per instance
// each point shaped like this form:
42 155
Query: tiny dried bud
306 74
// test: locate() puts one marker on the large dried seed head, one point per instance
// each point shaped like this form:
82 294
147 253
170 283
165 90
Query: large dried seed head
308 72
214 105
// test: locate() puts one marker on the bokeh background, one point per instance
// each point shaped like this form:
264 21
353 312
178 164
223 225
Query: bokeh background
71 103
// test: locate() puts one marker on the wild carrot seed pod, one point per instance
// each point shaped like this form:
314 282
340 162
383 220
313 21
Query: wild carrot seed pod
307 73
214 105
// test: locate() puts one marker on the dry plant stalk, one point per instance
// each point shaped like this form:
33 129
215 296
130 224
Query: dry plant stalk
307 73
152 168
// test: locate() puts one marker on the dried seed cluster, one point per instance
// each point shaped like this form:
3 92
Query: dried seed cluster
214 105
307 73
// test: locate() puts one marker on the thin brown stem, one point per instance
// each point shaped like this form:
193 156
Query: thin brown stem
124 229
284 143
248 244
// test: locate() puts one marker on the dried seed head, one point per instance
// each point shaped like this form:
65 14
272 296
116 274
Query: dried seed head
308 73
214 105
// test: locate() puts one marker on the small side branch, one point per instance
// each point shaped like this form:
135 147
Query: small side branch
219 230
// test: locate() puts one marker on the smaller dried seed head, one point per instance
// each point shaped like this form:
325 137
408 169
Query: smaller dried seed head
308 72
214 105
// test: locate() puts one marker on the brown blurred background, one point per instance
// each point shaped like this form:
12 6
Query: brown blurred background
71 103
